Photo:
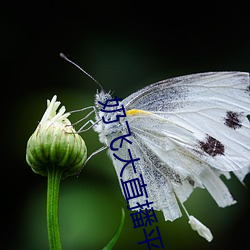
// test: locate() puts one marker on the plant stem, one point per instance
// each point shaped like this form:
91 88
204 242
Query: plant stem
54 177
117 234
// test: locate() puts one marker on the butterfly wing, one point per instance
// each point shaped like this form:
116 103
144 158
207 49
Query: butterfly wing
211 106
170 168
188 131
159 188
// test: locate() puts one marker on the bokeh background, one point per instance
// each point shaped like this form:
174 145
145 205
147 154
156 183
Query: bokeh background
125 45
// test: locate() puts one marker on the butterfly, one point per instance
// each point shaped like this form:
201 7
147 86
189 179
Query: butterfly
184 132
187 132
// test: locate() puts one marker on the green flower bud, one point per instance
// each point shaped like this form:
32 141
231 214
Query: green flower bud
55 144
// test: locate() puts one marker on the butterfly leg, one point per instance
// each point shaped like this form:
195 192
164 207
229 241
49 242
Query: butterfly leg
86 116
82 128
92 154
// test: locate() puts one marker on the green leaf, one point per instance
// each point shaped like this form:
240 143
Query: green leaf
117 234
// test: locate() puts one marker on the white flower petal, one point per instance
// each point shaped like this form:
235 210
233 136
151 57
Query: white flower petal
50 114
200 228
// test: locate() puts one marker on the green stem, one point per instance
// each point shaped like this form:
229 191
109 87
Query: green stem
54 177
116 236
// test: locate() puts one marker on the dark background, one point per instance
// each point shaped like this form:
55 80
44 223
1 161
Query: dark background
125 46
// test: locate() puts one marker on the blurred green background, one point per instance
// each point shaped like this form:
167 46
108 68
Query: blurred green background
125 46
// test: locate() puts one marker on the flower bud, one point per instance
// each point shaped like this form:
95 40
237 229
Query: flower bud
55 144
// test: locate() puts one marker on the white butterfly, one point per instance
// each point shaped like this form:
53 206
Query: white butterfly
187 131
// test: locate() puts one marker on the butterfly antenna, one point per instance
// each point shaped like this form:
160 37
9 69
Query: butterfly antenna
90 76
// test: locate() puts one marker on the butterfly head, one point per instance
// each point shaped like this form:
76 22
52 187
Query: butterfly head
101 97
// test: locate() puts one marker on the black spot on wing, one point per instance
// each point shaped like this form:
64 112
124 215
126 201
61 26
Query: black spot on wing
212 146
233 119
